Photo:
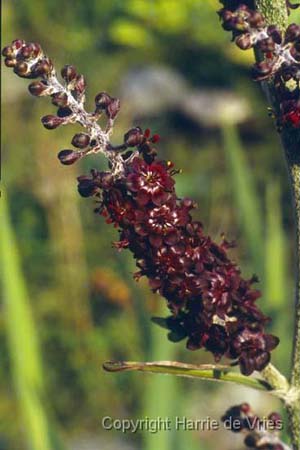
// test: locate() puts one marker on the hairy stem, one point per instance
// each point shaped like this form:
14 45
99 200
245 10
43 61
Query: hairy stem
275 12
291 144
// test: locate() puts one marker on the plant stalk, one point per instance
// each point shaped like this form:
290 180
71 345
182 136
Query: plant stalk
291 144
276 13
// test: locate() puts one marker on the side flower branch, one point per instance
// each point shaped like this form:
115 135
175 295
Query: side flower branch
277 48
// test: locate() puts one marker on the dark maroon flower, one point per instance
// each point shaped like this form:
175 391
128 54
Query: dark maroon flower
150 182
253 349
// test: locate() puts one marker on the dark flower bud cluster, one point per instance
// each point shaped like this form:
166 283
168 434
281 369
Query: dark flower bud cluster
143 141
29 61
211 304
260 434
110 105
280 54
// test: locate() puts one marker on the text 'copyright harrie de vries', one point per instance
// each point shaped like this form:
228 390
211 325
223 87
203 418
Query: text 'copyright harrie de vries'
177 423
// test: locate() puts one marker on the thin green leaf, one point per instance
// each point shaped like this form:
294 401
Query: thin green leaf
213 372
23 342
245 195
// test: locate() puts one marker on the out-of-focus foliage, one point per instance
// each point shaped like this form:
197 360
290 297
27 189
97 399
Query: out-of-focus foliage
86 306
22 341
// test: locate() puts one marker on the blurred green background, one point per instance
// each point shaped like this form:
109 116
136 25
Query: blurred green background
69 301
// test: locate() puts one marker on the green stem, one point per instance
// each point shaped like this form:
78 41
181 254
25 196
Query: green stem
275 13
291 144
203 371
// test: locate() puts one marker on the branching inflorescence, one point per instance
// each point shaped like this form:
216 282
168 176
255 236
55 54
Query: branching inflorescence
211 304
278 54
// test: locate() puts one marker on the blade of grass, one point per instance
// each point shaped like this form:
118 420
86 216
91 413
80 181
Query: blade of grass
275 262
163 397
22 340
245 195
160 393
276 289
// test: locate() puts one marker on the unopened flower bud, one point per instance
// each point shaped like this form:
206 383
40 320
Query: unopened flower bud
244 41
64 112
80 84
292 32
86 186
228 25
36 49
22 69
240 24
60 99
225 14
256 20
68 157
27 51
8 51
113 108
266 45
133 137
30 51
68 73
10 62
295 53
102 100
51 122
275 33
18 43
43 67
81 140
38 88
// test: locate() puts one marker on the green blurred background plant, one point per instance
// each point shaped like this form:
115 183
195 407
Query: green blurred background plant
69 301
